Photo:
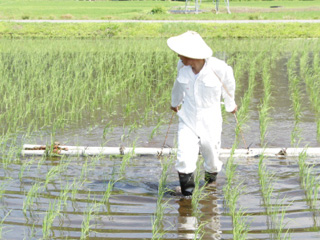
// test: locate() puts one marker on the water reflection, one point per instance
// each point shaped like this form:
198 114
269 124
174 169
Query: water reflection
191 221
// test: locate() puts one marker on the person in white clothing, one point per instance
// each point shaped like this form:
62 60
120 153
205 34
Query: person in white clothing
201 82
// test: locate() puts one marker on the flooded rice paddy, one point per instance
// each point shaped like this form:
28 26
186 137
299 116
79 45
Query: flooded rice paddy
117 93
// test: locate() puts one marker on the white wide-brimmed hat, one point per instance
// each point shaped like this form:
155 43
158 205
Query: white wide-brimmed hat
190 44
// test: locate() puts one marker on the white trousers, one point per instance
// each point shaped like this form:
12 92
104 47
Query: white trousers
189 144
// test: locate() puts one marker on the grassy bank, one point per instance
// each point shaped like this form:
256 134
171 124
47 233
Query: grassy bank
62 9
155 30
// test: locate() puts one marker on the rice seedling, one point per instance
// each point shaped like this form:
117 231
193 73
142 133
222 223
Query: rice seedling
264 119
51 174
156 128
3 186
76 185
85 225
309 181
64 194
278 212
240 225
125 160
1 223
310 74
295 95
302 164
265 180
311 185
275 210
158 217
198 192
31 196
41 161
231 196
52 212
24 166
239 217
84 170
200 231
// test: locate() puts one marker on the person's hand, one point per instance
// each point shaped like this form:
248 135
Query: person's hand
176 109
235 110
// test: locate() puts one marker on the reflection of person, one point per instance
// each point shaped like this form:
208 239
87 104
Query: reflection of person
189 221
200 83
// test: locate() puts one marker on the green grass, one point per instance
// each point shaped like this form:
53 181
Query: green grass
157 30
61 9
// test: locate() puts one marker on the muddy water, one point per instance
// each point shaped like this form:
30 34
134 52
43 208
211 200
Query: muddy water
132 204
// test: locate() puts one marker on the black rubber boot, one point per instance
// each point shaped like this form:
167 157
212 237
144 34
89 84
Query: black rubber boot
186 183
210 177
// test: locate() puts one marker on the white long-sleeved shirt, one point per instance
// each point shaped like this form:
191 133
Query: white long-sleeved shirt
200 95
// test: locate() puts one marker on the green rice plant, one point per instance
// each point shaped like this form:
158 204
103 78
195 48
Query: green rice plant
3 187
231 196
198 192
84 170
108 192
41 161
51 174
200 231
240 225
107 129
311 185
238 66
158 217
76 185
273 210
242 114
264 118
295 95
265 180
1 223
156 128
230 172
239 218
31 196
125 160
52 212
64 194
302 164
318 129
24 166
311 74
9 155
83 75
87 218
309 182
278 212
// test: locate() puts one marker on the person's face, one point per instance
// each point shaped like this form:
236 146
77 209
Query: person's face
185 60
